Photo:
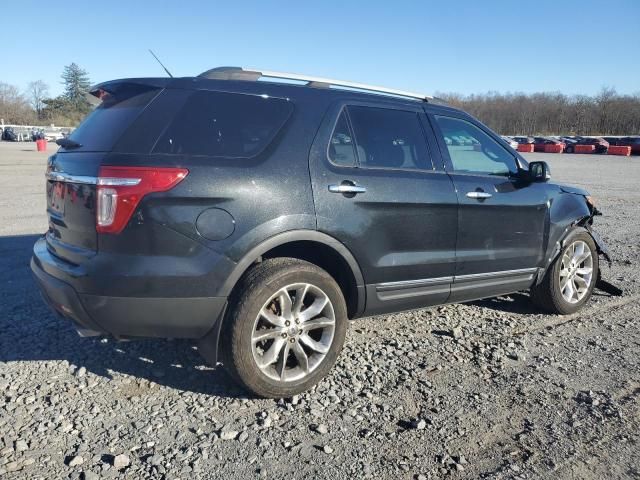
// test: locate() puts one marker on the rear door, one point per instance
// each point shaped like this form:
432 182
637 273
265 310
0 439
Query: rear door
377 191
502 219
72 172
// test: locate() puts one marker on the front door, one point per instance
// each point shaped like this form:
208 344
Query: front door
502 219
376 191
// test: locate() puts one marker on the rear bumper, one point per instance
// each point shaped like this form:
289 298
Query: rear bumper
122 316
63 299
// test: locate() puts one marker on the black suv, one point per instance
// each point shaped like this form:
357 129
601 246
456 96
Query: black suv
260 216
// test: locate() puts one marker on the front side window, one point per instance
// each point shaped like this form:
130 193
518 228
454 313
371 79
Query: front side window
387 138
474 151
224 125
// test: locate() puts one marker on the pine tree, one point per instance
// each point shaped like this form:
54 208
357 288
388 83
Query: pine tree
76 86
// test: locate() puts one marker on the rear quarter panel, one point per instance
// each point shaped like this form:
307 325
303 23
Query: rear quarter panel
264 195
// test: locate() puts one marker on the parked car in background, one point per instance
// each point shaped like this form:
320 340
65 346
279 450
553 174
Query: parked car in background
9 135
462 140
600 144
633 142
569 143
37 134
540 142
53 135
510 141
523 140
613 140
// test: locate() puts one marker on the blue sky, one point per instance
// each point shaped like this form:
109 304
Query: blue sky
448 46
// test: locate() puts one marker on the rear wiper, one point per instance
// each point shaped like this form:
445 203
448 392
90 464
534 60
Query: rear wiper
68 143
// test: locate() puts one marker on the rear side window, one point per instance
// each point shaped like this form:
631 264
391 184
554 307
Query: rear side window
342 150
224 125
103 127
388 138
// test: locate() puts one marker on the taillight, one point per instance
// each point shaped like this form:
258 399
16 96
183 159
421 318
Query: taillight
120 190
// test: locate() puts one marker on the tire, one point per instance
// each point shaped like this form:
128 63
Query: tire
569 150
549 295
257 311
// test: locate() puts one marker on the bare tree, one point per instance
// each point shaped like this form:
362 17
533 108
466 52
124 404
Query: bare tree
14 108
554 113
37 92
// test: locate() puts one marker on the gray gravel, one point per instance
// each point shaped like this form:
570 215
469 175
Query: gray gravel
491 389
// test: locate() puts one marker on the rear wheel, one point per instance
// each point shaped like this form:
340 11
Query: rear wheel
285 329
570 280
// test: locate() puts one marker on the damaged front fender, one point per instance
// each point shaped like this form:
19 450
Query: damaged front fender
603 249
567 212
573 208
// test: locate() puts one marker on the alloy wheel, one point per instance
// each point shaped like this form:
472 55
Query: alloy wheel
293 332
576 271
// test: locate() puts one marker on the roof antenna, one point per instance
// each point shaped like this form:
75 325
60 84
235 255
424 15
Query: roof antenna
165 68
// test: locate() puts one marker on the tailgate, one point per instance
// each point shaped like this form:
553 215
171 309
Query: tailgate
71 205
72 173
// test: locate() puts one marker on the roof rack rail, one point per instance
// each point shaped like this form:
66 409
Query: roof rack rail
238 73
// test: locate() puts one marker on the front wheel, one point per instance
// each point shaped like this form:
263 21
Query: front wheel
570 280
285 329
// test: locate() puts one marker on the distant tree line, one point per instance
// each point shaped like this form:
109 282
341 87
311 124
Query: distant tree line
35 106
607 113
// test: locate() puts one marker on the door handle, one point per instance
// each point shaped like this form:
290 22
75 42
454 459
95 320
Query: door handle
347 188
478 195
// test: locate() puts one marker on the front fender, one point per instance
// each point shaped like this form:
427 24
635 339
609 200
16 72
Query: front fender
566 211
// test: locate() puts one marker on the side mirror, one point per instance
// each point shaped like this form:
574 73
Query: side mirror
539 172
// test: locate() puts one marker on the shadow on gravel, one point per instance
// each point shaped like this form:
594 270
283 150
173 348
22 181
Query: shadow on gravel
515 303
29 331
519 303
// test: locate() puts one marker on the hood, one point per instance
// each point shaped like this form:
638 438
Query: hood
574 190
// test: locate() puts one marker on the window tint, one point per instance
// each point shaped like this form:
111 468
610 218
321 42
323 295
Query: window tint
472 150
341 148
388 138
224 125
102 127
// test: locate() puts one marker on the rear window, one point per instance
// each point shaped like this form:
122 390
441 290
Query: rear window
224 125
101 128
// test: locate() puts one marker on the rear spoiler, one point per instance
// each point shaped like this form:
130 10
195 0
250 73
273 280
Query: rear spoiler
98 91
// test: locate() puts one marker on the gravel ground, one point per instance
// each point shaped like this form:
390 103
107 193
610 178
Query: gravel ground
490 389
